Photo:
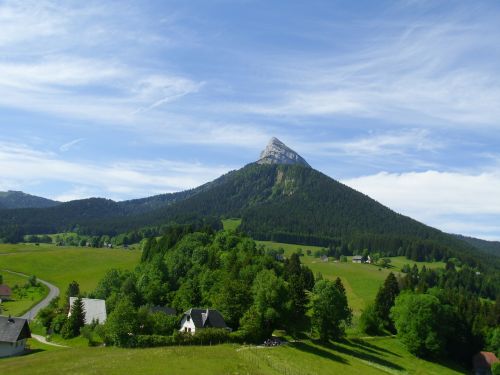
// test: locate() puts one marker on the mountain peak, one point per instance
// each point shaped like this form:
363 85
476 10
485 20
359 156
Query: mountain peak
276 152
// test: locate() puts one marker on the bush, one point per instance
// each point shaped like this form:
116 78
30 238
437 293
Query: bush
152 341
495 368
369 322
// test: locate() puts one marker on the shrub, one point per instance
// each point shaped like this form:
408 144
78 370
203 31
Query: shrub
369 322
152 341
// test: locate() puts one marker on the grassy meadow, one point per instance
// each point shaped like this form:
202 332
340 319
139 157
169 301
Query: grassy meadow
361 281
61 265
358 355
376 356
23 299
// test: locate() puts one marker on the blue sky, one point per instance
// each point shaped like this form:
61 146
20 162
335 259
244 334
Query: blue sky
400 100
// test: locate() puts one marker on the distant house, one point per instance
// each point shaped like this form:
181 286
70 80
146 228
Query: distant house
95 309
163 309
324 258
357 259
5 292
196 319
483 361
13 335
369 260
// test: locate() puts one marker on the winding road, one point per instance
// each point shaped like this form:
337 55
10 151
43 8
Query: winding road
53 292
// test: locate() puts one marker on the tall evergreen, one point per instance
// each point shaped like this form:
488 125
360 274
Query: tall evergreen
75 321
385 300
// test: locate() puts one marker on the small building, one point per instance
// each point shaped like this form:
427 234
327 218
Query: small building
14 332
369 260
5 292
163 309
357 259
483 361
196 319
95 309
324 258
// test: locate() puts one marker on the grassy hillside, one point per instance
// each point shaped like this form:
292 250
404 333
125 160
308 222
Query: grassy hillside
361 281
379 356
21 303
61 265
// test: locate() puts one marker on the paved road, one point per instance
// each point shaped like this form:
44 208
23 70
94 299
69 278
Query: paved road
53 292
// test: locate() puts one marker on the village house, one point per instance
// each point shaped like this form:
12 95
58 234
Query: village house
357 259
483 361
163 309
5 292
14 332
95 309
196 319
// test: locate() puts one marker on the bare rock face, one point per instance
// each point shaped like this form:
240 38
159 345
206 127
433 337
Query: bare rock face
276 152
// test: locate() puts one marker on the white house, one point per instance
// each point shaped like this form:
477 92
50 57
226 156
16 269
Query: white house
196 319
14 332
357 259
95 309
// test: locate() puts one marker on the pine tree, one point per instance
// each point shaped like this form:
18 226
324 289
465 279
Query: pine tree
385 300
75 321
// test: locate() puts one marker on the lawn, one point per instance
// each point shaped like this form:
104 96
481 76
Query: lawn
377 356
23 299
61 265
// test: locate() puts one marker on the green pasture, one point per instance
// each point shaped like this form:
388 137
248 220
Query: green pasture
61 265
376 356
21 302
361 281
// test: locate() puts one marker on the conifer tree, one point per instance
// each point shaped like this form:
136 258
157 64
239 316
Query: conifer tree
385 300
75 321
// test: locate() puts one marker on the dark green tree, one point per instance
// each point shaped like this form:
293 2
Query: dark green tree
384 300
331 314
122 324
419 323
75 321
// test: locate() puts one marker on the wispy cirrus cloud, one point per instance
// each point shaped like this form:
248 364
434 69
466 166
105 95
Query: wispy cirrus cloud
67 146
421 73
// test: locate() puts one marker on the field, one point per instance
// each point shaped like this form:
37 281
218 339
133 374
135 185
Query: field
378 356
61 265
361 281
21 301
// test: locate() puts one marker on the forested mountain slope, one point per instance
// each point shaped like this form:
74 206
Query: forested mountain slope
18 199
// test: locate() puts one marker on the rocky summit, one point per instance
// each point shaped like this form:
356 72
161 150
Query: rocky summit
276 152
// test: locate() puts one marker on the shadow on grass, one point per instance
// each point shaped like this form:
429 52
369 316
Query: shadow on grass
316 350
372 348
354 351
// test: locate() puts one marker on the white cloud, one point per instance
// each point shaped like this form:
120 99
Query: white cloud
67 146
424 73
452 201
23 166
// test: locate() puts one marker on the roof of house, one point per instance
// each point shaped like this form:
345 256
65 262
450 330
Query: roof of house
484 359
5 290
356 257
205 318
95 309
13 329
163 309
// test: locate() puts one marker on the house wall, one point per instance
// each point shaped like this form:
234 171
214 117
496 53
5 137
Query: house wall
12 348
187 325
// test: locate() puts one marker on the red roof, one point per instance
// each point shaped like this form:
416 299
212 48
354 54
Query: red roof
484 359
5 290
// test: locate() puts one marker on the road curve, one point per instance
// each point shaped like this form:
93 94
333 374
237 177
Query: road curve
53 293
